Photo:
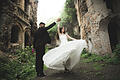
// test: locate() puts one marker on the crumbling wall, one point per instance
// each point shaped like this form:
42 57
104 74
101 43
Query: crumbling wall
93 19
15 22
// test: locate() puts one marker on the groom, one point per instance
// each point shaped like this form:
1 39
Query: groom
41 38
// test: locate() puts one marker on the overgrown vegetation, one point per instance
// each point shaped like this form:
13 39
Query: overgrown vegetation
53 32
18 66
113 58
21 65
69 17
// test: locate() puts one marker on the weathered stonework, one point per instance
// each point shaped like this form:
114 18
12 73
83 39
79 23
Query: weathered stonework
16 23
94 18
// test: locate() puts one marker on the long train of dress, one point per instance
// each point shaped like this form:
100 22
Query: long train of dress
65 55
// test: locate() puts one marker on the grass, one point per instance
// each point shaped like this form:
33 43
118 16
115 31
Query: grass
106 59
99 62
98 67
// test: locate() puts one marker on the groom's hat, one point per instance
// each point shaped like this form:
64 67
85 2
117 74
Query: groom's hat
42 23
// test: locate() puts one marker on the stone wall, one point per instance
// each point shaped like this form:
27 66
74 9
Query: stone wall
94 17
16 24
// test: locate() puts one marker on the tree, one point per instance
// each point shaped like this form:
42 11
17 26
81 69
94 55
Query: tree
69 17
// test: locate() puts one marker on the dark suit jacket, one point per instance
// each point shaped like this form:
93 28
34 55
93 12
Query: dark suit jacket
41 36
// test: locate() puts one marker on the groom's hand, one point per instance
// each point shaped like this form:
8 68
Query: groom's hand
58 20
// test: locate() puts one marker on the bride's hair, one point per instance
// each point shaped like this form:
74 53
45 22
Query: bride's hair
61 30
57 35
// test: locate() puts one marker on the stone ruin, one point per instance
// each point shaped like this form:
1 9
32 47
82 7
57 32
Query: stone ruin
17 23
99 21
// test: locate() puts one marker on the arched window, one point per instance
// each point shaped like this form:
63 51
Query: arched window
113 5
15 34
27 39
26 5
114 32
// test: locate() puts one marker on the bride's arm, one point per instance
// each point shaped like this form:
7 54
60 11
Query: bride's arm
58 29
70 37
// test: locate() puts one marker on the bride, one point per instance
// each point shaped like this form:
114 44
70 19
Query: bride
67 54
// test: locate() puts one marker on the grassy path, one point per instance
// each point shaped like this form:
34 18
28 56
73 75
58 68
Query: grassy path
85 71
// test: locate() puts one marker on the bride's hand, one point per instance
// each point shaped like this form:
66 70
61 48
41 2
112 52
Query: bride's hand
58 20
74 39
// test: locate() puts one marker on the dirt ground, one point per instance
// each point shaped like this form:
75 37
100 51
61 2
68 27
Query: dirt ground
85 71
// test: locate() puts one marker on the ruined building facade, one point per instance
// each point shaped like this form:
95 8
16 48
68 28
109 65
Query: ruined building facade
17 23
99 21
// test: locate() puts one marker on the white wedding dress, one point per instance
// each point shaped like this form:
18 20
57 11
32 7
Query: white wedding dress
66 55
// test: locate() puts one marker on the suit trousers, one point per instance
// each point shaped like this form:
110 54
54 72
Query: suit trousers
40 51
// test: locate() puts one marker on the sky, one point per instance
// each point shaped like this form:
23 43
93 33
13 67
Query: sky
48 9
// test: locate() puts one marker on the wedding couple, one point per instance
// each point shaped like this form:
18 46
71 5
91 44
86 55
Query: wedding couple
63 57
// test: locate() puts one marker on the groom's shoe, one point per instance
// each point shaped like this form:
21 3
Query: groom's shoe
41 75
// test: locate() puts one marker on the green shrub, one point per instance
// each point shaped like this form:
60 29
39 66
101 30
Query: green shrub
115 59
116 51
20 66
